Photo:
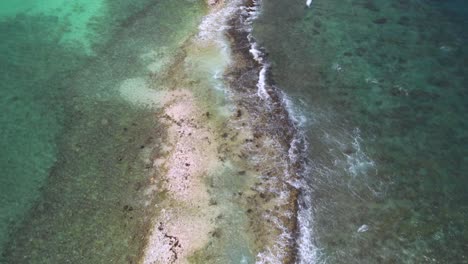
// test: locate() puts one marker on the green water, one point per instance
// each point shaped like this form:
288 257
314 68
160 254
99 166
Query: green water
383 87
380 88
72 150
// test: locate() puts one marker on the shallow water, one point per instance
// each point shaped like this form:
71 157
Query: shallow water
95 200
73 149
381 86
377 88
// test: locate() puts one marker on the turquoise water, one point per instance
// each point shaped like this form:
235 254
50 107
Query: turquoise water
378 87
71 147
381 89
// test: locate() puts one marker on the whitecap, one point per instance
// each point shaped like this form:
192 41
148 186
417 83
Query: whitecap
363 228
261 85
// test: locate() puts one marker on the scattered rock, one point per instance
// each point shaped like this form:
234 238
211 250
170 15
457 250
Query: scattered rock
213 2
348 151
213 202
127 208
216 233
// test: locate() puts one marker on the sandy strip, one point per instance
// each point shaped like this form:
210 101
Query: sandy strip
186 220
185 223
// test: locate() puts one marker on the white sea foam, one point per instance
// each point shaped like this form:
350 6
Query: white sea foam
213 53
268 256
261 85
308 252
351 156
258 57
256 53
358 161
214 24
363 228
300 120
250 14
275 254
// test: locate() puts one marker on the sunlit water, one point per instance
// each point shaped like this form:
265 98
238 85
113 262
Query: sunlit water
382 88
71 146
377 87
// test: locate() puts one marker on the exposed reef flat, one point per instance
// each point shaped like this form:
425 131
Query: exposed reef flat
277 145
185 217
185 221
225 178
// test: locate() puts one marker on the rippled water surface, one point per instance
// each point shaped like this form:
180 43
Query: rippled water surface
381 87
71 147
378 88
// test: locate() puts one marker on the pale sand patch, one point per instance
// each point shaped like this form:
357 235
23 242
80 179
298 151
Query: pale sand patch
137 92
194 151
185 222
186 219
157 59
